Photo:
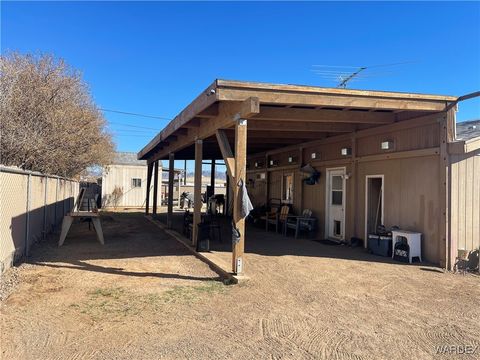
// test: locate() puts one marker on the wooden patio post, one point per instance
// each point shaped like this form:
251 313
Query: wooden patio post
212 177
155 188
171 173
238 265
149 183
197 192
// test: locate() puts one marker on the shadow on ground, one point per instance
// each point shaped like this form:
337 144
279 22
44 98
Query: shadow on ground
258 241
127 236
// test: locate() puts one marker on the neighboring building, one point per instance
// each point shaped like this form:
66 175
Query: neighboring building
124 182
383 158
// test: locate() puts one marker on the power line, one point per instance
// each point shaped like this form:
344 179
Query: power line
127 131
133 126
135 114
135 135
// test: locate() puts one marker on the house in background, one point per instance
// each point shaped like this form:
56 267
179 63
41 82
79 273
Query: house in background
124 182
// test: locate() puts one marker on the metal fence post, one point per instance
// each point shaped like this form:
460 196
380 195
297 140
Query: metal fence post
56 204
45 200
28 206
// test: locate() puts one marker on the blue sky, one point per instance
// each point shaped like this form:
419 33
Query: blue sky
155 57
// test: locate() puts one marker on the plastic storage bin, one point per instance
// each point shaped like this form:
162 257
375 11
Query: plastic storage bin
380 245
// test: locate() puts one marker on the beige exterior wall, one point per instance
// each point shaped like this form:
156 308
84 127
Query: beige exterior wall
411 185
465 201
29 208
121 176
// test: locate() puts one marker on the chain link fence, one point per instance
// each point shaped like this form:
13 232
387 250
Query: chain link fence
32 205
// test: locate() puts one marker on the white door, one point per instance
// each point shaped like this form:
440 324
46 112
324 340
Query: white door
335 209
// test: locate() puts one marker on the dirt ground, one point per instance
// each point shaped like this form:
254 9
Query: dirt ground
143 296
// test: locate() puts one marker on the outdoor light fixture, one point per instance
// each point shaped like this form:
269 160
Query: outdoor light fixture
290 159
271 162
314 155
387 145
346 151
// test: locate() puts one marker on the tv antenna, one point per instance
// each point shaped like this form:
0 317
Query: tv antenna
344 81
344 75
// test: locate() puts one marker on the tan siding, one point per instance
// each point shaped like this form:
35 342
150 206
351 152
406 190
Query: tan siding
422 137
411 185
275 185
255 187
411 198
326 151
465 201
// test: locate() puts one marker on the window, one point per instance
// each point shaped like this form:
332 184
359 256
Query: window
136 182
337 190
287 188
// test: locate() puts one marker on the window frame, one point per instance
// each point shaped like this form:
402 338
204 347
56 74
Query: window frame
136 181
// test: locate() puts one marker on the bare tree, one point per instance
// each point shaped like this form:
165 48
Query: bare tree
49 122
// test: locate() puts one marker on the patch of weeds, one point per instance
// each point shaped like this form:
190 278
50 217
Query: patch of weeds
193 293
114 293
111 302
118 302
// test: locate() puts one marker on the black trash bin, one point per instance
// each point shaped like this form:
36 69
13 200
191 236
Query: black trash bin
203 237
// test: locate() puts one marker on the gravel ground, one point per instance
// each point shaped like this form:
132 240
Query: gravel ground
143 296
8 282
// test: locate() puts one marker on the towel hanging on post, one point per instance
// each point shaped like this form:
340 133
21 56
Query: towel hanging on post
244 204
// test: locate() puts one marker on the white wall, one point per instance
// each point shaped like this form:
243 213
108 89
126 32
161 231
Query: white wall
121 176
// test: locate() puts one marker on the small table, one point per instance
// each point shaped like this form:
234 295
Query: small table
68 220
414 241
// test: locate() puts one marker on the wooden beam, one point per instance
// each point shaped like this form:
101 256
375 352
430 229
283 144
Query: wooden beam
212 177
155 189
327 91
171 177
228 111
197 191
192 124
464 146
294 126
209 112
149 182
269 97
238 261
445 248
262 134
329 116
203 101
226 151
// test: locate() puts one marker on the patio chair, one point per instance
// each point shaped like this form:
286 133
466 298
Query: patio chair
305 222
277 218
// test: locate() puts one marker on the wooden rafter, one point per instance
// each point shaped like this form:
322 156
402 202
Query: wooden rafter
227 113
328 116
295 126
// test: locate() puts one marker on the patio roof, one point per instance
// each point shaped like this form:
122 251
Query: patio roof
280 115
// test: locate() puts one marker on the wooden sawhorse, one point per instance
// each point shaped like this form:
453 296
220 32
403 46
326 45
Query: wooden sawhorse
68 220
